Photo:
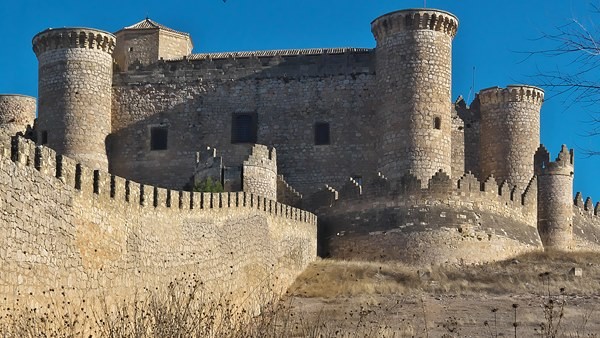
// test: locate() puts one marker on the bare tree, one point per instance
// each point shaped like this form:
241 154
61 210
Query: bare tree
575 78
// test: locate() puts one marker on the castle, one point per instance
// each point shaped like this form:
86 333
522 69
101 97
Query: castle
368 140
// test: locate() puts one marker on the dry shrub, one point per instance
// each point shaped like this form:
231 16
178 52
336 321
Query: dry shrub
182 309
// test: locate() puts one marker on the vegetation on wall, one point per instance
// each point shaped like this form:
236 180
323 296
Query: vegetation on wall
208 185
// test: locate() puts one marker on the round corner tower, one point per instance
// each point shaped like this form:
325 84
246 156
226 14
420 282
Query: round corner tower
414 78
75 84
17 112
510 132
555 198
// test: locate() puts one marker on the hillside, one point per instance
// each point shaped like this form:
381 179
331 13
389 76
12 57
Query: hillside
369 299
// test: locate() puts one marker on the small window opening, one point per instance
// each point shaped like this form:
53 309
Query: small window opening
437 123
243 128
44 139
322 133
158 138
131 49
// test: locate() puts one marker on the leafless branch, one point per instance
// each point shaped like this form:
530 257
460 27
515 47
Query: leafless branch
575 78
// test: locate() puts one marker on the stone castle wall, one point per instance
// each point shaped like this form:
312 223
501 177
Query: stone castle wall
17 112
259 172
173 45
586 224
471 119
286 194
458 145
75 81
65 225
147 43
555 193
450 221
414 75
137 47
510 132
197 98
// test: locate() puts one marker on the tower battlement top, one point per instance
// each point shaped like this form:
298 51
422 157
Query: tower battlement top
415 19
512 93
563 165
73 37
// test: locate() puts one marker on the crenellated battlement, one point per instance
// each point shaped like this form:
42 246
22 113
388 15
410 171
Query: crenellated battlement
512 93
450 220
440 185
126 193
414 19
287 194
563 165
73 37
586 207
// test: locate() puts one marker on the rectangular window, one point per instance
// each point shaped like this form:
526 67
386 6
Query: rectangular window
322 133
158 138
244 127
437 123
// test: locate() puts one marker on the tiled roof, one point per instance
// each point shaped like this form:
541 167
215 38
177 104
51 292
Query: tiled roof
279 52
150 24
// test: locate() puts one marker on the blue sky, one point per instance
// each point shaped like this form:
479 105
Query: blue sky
490 36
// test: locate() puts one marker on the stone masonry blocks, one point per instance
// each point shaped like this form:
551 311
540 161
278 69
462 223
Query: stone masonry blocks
414 73
75 81
16 113
555 199
510 132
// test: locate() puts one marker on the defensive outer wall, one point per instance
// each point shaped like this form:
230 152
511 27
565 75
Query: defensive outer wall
460 221
449 221
457 191
67 226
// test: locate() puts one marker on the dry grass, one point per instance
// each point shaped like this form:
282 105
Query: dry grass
360 299
527 273
180 310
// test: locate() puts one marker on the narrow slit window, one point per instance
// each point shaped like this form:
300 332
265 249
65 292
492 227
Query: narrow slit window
244 128
159 138
322 134
437 123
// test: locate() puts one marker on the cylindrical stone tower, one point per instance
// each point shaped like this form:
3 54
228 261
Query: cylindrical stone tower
510 132
414 75
555 198
16 113
75 80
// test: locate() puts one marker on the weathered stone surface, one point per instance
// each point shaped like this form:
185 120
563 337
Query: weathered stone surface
510 132
75 79
95 233
555 199
396 171
414 75
17 113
